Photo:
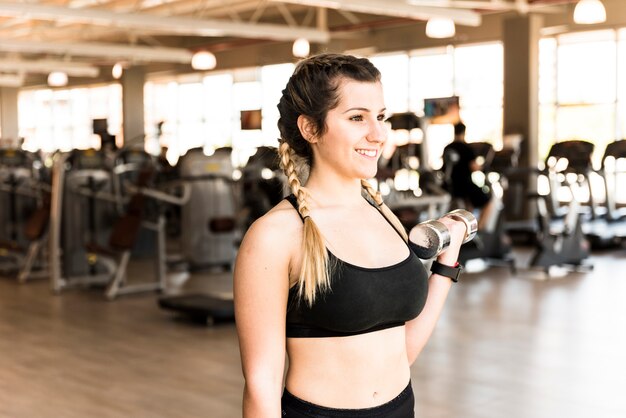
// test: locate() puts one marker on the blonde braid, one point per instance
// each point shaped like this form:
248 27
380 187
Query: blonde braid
314 273
387 213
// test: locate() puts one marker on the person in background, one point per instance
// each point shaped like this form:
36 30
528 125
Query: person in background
460 162
327 277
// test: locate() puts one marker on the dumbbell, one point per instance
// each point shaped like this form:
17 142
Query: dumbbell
432 237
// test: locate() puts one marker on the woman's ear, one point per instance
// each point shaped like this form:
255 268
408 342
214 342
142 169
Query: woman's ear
307 129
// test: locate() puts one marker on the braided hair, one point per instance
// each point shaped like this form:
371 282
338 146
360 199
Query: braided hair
312 91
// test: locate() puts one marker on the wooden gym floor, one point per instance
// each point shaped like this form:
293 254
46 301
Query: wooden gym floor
506 346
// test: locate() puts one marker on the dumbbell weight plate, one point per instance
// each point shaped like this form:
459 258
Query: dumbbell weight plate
471 224
429 239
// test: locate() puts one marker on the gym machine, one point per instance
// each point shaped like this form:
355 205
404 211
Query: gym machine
82 209
24 214
492 243
425 199
208 218
94 227
556 229
562 243
208 232
262 184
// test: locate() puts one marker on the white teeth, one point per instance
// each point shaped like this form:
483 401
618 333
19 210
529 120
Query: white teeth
367 153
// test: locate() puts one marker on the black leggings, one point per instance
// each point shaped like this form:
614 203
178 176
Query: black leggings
399 407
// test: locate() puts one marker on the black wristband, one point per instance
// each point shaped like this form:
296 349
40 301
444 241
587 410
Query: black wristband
452 273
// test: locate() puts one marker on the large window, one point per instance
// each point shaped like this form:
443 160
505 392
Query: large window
579 92
62 119
621 85
475 73
582 91
188 114
207 112
274 79
432 75
394 70
479 83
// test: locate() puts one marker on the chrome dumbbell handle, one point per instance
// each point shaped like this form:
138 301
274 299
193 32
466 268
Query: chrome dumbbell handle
429 239
471 224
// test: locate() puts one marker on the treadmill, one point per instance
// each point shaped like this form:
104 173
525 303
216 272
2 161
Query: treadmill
608 229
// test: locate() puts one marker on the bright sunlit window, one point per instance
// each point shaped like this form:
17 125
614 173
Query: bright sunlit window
579 89
274 79
209 113
582 80
621 84
475 73
479 83
394 71
586 69
52 120
432 75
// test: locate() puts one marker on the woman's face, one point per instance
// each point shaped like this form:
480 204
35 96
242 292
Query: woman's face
355 131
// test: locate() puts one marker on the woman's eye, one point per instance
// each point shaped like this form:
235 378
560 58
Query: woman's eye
357 118
381 118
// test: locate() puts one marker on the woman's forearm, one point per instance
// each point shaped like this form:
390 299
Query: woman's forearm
419 330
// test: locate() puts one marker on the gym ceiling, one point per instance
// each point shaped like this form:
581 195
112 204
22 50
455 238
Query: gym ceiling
86 38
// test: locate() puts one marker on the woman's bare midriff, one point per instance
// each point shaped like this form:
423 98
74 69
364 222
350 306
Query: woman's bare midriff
360 371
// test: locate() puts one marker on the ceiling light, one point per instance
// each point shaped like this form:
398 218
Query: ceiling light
301 48
117 70
57 79
588 12
203 60
440 27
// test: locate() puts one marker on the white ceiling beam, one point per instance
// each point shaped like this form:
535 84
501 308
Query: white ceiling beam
113 51
11 80
497 5
394 8
521 6
170 25
74 69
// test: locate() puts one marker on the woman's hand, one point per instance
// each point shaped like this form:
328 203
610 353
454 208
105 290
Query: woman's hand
450 255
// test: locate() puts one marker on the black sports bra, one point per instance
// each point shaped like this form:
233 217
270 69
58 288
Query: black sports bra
360 299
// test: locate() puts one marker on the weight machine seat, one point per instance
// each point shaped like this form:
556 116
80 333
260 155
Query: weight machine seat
124 232
616 150
34 228
37 224
200 306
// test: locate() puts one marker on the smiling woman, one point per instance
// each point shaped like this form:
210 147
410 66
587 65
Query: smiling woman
323 277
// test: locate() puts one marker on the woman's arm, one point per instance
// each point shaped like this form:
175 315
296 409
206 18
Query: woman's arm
261 286
419 330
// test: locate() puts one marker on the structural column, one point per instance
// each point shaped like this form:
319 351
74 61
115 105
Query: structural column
8 113
133 81
521 36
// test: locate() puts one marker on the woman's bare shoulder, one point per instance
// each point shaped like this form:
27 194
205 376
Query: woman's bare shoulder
280 225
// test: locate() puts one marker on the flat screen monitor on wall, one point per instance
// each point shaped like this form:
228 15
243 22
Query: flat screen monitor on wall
442 109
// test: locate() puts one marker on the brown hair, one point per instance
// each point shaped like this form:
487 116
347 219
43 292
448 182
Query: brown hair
312 91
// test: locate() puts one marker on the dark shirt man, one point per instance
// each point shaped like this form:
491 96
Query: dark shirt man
462 159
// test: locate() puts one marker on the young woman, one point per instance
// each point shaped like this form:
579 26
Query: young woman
326 276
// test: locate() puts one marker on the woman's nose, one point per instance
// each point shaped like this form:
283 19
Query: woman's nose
378 132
